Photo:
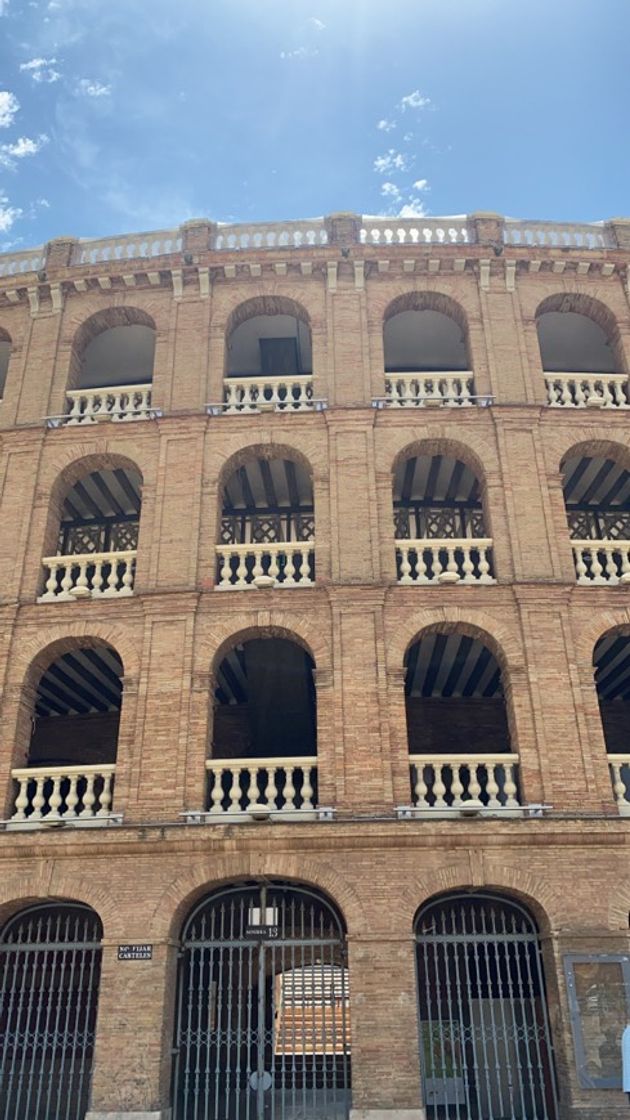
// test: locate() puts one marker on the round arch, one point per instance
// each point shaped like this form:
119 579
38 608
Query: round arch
578 333
129 349
268 305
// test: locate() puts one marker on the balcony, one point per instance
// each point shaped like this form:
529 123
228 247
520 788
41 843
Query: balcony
93 575
430 390
620 776
587 390
244 789
443 784
601 563
269 394
118 403
444 561
55 795
244 566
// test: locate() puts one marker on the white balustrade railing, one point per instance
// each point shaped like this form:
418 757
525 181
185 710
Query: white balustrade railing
443 560
258 393
286 564
421 390
15 264
67 793
127 247
119 402
272 235
602 562
558 235
446 782
620 777
88 575
417 231
242 786
588 390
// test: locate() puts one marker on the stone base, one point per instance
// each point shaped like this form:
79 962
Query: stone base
162 1114
388 1114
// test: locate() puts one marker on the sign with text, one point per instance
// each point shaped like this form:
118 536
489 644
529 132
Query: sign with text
135 952
261 933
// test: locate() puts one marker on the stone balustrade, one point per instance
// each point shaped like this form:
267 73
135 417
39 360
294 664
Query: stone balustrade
80 794
441 783
423 390
558 235
602 562
274 394
588 390
439 561
620 776
16 264
417 231
89 575
246 787
119 403
157 243
283 564
271 235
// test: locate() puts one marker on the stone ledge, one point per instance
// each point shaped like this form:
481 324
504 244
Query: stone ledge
385 1114
162 1114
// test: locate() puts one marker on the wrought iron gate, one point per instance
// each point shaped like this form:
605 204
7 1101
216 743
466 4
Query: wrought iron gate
486 1047
50 960
262 1025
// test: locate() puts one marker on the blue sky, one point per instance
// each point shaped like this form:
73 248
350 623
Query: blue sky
123 115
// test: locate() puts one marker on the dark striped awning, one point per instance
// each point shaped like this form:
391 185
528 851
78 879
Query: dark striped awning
436 480
81 682
612 667
594 482
445 665
268 484
102 495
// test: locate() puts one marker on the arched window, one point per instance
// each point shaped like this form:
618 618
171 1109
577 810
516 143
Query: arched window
268 358
112 367
5 354
263 1019
50 963
485 1038
267 530
71 756
581 353
97 537
597 501
439 524
611 664
264 741
427 361
460 749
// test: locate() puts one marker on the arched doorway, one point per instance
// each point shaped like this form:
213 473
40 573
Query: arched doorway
262 1021
50 960
485 1040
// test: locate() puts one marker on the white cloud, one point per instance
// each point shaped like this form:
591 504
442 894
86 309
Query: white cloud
9 106
414 208
92 88
300 52
385 126
24 146
390 190
421 185
414 100
391 161
313 22
4 4
41 69
8 214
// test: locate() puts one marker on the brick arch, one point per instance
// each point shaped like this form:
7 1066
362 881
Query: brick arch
599 448
591 439
446 446
50 642
428 301
5 336
499 638
600 625
251 632
38 886
265 304
184 891
266 451
582 304
104 320
531 891
299 626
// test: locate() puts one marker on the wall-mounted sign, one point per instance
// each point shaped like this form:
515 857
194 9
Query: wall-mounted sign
261 933
598 985
135 952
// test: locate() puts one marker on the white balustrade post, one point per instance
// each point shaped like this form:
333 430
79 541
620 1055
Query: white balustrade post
420 788
21 801
106 794
89 797
619 786
307 787
216 794
439 788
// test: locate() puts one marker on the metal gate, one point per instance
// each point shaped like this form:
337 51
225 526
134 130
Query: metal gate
485 1043
262 1024
50 960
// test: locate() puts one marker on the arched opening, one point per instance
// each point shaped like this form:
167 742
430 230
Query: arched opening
439 523
486 1047
268 357
264 743
460 749
267 531
611 664
581 354
427 360
5 354
71 757
112 367
263 1023
50 963
97 539
597 501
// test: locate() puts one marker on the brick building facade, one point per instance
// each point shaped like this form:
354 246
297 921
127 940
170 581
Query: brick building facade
325 492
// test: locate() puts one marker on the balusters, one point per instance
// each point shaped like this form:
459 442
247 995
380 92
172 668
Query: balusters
450 560
620 789
60 793
258 393
589 569
82 576
587 390
421 390
442 784
289 564
118 403
279 784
